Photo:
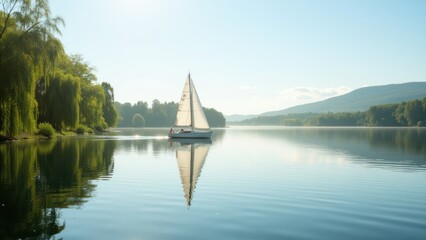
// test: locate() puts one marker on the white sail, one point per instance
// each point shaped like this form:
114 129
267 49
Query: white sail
190 161
183 117
200 121
190 112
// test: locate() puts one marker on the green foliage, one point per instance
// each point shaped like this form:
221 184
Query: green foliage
93 99
39 82
89 130
96 108
17 80
414 112
421 123
59 103
382 115
399 114
337 119
81 129
403 114
292 122
46 129
28 50
110 113
126 114
277 120
424 104
138 120
159 115
76 66
215 118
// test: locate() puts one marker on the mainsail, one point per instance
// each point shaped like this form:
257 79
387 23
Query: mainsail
190 112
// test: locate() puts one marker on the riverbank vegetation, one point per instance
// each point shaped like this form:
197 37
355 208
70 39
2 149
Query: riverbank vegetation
39 81
405 114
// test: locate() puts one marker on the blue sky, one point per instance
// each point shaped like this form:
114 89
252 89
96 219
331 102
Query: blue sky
246 57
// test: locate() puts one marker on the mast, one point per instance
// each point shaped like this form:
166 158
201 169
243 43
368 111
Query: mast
191 108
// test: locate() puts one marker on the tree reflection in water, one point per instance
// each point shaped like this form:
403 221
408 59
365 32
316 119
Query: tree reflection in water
37 179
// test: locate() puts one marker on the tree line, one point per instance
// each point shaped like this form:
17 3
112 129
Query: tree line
39 81
411 113
159 114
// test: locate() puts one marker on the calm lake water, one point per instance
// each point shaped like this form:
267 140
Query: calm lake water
246 183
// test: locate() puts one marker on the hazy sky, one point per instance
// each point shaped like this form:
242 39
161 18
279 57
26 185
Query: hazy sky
246 56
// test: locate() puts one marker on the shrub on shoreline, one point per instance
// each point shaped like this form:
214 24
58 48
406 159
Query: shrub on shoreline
46 129
81 129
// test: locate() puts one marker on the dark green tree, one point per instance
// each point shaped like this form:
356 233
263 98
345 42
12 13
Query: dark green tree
382 115
125 114
414 112
159 115
109 111
60 104
93 98
399 114
140 107
138 120
215 118
28 52
292 122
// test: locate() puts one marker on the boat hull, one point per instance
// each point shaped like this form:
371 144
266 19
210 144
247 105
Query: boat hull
191 134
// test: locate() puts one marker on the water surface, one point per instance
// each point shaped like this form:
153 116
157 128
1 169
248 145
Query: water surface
246 183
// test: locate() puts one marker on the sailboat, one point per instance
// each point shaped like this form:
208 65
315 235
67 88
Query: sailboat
190 118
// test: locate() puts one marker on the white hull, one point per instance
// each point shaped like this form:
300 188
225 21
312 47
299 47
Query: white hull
191 134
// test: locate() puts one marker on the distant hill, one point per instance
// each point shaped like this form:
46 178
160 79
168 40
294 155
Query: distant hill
238 117
360 99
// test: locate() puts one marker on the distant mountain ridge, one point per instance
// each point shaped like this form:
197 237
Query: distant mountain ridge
360 99
238 117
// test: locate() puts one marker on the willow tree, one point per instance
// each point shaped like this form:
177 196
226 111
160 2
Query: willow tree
414 112
28 51
110 113
75 65
92 94
93 98
60 104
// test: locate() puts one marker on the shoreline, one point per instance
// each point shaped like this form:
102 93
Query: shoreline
27 136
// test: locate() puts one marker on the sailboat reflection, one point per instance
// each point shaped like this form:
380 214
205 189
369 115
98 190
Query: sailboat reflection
190 155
